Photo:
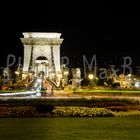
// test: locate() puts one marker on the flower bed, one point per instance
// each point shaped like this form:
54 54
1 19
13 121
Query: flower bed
81 112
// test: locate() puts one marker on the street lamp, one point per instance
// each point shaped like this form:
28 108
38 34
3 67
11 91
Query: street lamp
90 76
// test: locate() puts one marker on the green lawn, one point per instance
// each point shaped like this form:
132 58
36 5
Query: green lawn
101 128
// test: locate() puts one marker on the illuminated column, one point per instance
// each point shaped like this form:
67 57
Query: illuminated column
27 54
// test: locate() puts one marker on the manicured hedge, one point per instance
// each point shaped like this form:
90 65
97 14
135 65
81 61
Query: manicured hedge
16 111
94 102
61 111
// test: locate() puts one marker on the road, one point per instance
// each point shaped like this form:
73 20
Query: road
73 97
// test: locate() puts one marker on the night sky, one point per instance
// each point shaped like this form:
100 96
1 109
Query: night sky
104 30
